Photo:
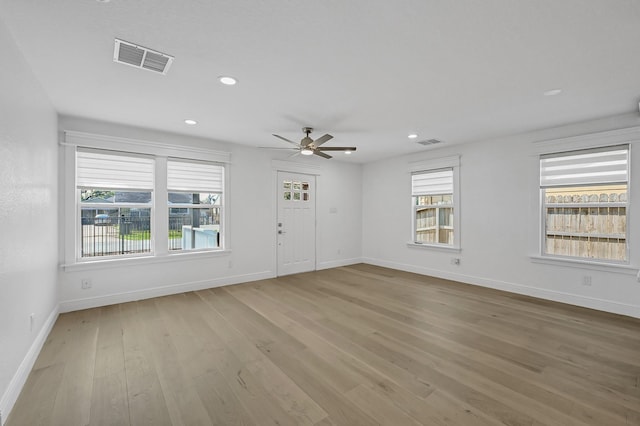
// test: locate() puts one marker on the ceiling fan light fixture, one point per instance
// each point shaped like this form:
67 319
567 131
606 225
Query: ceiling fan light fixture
348 152
413 136
306 151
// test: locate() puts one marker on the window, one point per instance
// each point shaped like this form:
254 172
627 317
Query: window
195 204
585 203
115 195
432 194
118 199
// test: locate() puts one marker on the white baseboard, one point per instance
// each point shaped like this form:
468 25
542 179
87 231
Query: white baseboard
337 263
20 378
556 296
130 296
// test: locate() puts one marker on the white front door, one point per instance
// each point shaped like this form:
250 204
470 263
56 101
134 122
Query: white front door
296 225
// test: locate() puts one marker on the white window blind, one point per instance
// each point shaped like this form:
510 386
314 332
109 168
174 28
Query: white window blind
194 176
432 182
587 167
110 170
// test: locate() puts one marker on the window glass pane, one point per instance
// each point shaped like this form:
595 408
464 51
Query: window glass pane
114 231
195 198
194 228
586 222
428 200
99 196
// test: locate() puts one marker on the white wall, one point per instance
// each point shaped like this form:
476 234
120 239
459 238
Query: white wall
251 226
499 215
28 219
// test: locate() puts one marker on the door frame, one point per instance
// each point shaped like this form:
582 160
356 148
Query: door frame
291 167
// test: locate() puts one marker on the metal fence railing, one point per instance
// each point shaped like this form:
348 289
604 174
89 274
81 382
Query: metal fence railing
109 236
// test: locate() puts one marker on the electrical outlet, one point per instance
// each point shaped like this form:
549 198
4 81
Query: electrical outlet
586 280
85 283
455 261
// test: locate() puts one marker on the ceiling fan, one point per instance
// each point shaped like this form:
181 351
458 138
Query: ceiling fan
308 146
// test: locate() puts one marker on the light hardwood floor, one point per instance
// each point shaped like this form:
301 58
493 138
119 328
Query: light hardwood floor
356 345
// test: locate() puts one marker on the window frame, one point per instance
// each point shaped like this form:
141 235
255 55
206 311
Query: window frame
594 139
434 165
544 205
115 205
200 185
70 239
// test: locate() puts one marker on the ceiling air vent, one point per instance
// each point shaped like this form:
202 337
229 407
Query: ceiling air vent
141 57
429 142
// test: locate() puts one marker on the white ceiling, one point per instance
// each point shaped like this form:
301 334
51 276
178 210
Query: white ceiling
367 71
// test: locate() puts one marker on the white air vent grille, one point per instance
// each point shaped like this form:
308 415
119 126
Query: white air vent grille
430 142
141 57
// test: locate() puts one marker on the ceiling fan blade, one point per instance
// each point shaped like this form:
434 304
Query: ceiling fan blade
337 148
287 140
271 147
322 139
322 154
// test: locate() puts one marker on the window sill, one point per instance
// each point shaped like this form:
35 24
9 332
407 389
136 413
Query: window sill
142 260
586 264
442 247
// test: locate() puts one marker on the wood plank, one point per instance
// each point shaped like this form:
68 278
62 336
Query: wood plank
109 402
147 405
72 405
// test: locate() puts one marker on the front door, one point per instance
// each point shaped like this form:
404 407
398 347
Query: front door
296 225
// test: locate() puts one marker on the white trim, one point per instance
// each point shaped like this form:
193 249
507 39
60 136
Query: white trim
556 296
626 136
131 296
160 151
114 143
119 262
452 162
594 265
337 263
295 167
591 140
434 163
19 379
443 247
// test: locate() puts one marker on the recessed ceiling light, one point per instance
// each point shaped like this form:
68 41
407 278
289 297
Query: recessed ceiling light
190 122
228 81
413 136
348 152
103 1
552 92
